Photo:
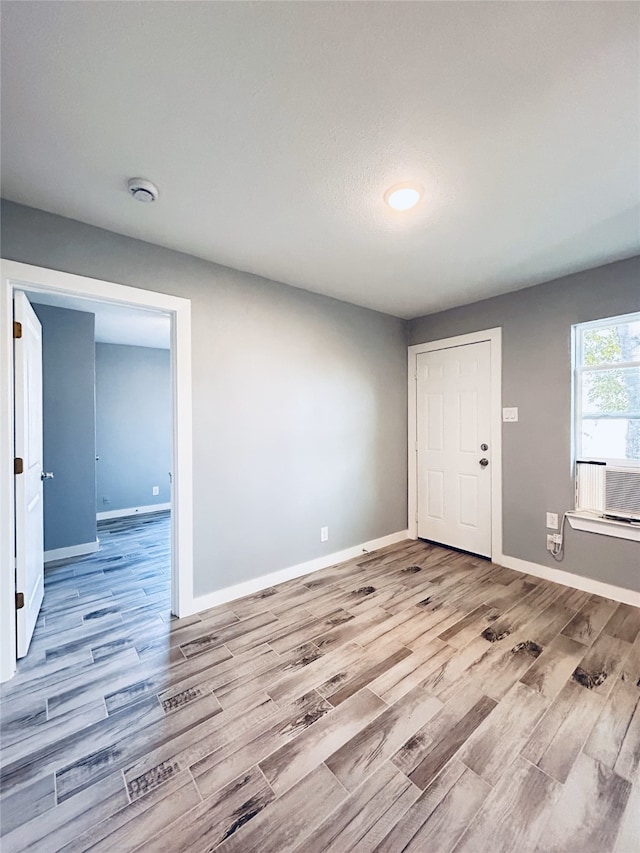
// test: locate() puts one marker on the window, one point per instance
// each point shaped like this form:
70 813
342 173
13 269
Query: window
607 390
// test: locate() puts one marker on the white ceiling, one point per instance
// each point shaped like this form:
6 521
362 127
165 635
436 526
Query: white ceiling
273 130
115 324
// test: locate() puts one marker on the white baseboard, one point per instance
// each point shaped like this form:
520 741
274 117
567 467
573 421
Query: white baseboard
71 551
617 593
135 510
239 590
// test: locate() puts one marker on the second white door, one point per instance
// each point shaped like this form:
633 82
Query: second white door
453 451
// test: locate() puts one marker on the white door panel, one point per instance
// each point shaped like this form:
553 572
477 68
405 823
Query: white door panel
453 421
28 447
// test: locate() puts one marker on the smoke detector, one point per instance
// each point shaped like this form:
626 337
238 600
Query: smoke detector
142 190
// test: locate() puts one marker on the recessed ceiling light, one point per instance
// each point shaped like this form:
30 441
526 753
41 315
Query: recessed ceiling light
142 190
403 196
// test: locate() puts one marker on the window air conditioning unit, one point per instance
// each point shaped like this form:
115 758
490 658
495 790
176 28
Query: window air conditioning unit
611 492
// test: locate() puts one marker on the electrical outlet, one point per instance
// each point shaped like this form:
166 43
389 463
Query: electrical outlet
155 490
552 520
324 534
510 415
557 538
550 542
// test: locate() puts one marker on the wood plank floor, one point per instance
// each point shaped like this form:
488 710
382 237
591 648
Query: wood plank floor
411 699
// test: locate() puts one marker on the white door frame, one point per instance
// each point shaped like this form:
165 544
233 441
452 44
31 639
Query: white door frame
494 336
18 276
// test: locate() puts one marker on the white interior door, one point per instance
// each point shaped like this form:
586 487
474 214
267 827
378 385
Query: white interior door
453 428
28 484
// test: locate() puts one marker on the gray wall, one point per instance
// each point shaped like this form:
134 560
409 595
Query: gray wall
536 355
68 376
299 401
133 426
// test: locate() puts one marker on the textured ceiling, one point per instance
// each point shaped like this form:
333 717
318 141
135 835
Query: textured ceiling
273 130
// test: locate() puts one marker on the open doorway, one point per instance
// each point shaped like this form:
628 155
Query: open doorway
56 291
106 473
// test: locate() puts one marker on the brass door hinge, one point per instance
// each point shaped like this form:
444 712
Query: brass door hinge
18 465
17 329
19 600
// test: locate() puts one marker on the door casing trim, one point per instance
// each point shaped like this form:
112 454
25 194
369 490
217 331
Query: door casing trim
19 276
494 336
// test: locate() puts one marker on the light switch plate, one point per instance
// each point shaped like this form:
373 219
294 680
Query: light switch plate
552 520
510 415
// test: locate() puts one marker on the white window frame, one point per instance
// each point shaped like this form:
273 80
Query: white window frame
577 371
579 519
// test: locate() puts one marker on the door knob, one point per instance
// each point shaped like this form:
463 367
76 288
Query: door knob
46 475
484 463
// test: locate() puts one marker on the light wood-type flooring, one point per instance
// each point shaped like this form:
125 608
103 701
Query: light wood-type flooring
412 699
